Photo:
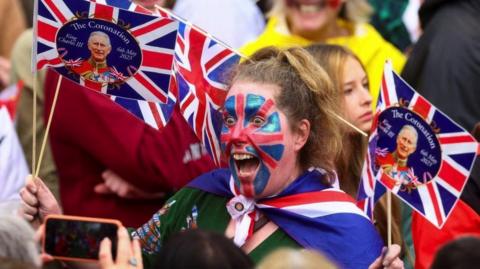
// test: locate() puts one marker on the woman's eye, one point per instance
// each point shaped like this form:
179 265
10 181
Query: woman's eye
229 121
258 121
366 86
347 91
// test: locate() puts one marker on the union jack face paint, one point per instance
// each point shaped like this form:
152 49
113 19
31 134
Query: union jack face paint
254 137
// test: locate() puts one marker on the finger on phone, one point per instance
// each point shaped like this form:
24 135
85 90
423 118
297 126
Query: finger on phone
105 254
123 248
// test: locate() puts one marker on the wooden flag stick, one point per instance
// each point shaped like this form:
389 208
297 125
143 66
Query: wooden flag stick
350 124
389 218
34 122
45 137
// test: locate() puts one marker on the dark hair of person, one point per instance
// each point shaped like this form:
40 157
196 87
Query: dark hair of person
201 249
461 253
306 92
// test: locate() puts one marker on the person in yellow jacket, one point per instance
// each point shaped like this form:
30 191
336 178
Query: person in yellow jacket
340 22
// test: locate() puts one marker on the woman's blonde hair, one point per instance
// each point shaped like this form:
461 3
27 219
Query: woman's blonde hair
285 258
306 93
355 11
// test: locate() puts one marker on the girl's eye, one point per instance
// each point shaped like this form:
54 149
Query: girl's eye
366 86
347 91
258 121
229 121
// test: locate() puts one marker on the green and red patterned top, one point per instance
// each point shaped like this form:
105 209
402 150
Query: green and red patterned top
193 208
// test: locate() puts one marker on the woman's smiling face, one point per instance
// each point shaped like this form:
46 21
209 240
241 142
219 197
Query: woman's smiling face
308 17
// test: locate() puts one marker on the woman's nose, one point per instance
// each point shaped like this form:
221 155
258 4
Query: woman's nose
366 97
239 134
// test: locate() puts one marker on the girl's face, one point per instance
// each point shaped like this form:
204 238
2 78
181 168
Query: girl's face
308 17
257 140
356 95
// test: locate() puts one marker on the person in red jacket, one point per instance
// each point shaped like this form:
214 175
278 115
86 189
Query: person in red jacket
93 140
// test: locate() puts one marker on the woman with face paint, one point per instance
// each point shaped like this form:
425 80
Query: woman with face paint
349 78
340 22
280 138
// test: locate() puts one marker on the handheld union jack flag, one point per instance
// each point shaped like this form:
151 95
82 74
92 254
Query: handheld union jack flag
108 49
416 152
201 65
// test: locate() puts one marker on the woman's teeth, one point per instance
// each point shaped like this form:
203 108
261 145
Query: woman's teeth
240 156
309 8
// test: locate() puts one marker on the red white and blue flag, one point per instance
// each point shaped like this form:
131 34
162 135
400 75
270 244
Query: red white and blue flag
139 62
189 68
434 173
201 66
154 114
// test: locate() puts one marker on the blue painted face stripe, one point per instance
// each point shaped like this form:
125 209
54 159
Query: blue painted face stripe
273 124
275 151
230 106
253 104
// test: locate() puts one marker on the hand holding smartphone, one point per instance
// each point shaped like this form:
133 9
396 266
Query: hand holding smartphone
74 238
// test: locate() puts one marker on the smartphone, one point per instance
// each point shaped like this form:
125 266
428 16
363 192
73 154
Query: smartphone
74 238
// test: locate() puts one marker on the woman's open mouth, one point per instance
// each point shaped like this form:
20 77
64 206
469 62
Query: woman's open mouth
246 165
308 7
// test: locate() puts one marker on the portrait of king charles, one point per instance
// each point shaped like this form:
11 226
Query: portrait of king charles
394 163
95 68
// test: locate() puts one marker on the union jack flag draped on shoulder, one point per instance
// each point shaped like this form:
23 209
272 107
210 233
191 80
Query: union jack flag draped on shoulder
107 49
415 151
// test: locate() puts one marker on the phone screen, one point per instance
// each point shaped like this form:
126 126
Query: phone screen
78 239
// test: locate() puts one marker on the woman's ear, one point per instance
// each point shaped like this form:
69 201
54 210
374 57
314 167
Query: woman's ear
302 134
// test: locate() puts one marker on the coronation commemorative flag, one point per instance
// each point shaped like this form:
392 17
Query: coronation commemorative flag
188 68
415 151
154 114
107 49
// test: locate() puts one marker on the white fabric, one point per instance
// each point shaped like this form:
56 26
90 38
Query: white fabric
241 217
13 167
234 22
